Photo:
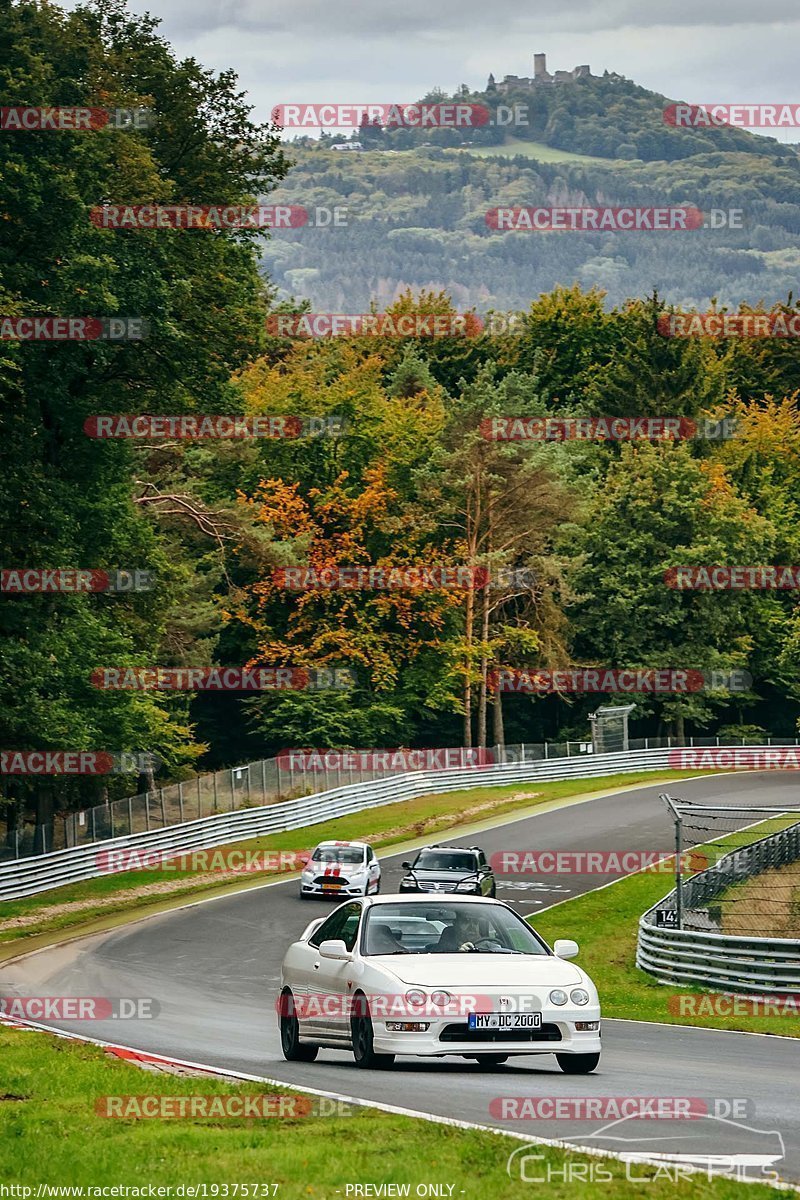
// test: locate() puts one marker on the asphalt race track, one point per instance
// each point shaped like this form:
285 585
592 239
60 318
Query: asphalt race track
214 970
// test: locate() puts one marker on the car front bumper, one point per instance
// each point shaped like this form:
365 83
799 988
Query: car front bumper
318 889
449 1035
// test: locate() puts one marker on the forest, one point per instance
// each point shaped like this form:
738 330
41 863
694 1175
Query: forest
381 458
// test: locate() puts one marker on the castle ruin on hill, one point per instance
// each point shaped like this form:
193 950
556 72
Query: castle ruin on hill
541 77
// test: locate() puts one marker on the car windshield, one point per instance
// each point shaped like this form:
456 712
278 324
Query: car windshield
445 860
338 854
428 928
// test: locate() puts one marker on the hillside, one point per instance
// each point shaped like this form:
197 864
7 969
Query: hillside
416 215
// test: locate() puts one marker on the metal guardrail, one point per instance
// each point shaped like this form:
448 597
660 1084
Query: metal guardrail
29 876
269 781
727 962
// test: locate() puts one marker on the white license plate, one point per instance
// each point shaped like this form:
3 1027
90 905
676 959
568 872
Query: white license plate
505 1020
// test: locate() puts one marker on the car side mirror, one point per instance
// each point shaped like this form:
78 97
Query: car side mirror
334 948
406 866
563 948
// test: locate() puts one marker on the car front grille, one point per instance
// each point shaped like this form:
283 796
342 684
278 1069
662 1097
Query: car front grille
425 886
463 1033
335 879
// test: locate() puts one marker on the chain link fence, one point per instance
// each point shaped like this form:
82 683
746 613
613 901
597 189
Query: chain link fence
267 781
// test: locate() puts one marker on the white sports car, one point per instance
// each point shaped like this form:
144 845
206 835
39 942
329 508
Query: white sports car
341 869
462 975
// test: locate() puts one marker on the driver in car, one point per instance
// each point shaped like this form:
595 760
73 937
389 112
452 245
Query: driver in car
465 934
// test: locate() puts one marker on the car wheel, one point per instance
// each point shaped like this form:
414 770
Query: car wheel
577 1064
305 896
362 1035
293 1049
487 1061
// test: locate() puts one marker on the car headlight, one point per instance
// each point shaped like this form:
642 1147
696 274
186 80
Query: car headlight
440 999
579 996
558 997
415 997
307 873
468 885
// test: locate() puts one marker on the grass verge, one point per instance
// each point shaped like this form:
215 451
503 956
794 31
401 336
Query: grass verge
51 1133
605 923
392 825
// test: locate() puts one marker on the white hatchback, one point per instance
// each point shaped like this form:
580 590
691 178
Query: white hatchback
339 869
461 975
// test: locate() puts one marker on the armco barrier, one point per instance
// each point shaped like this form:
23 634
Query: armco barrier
723 961
27 876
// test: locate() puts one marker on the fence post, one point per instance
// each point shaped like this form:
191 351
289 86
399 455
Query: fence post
248 783
199 799
130 814
264 780
163 811
94 829
180 801
215 792
233 789
678 875
111 814
545 750
147 810
16 841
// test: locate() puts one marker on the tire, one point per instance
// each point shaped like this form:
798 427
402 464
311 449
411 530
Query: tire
578 1064
293 1049
305 895
488 1062
361 1033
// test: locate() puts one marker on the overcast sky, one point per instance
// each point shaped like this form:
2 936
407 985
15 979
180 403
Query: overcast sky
374 50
